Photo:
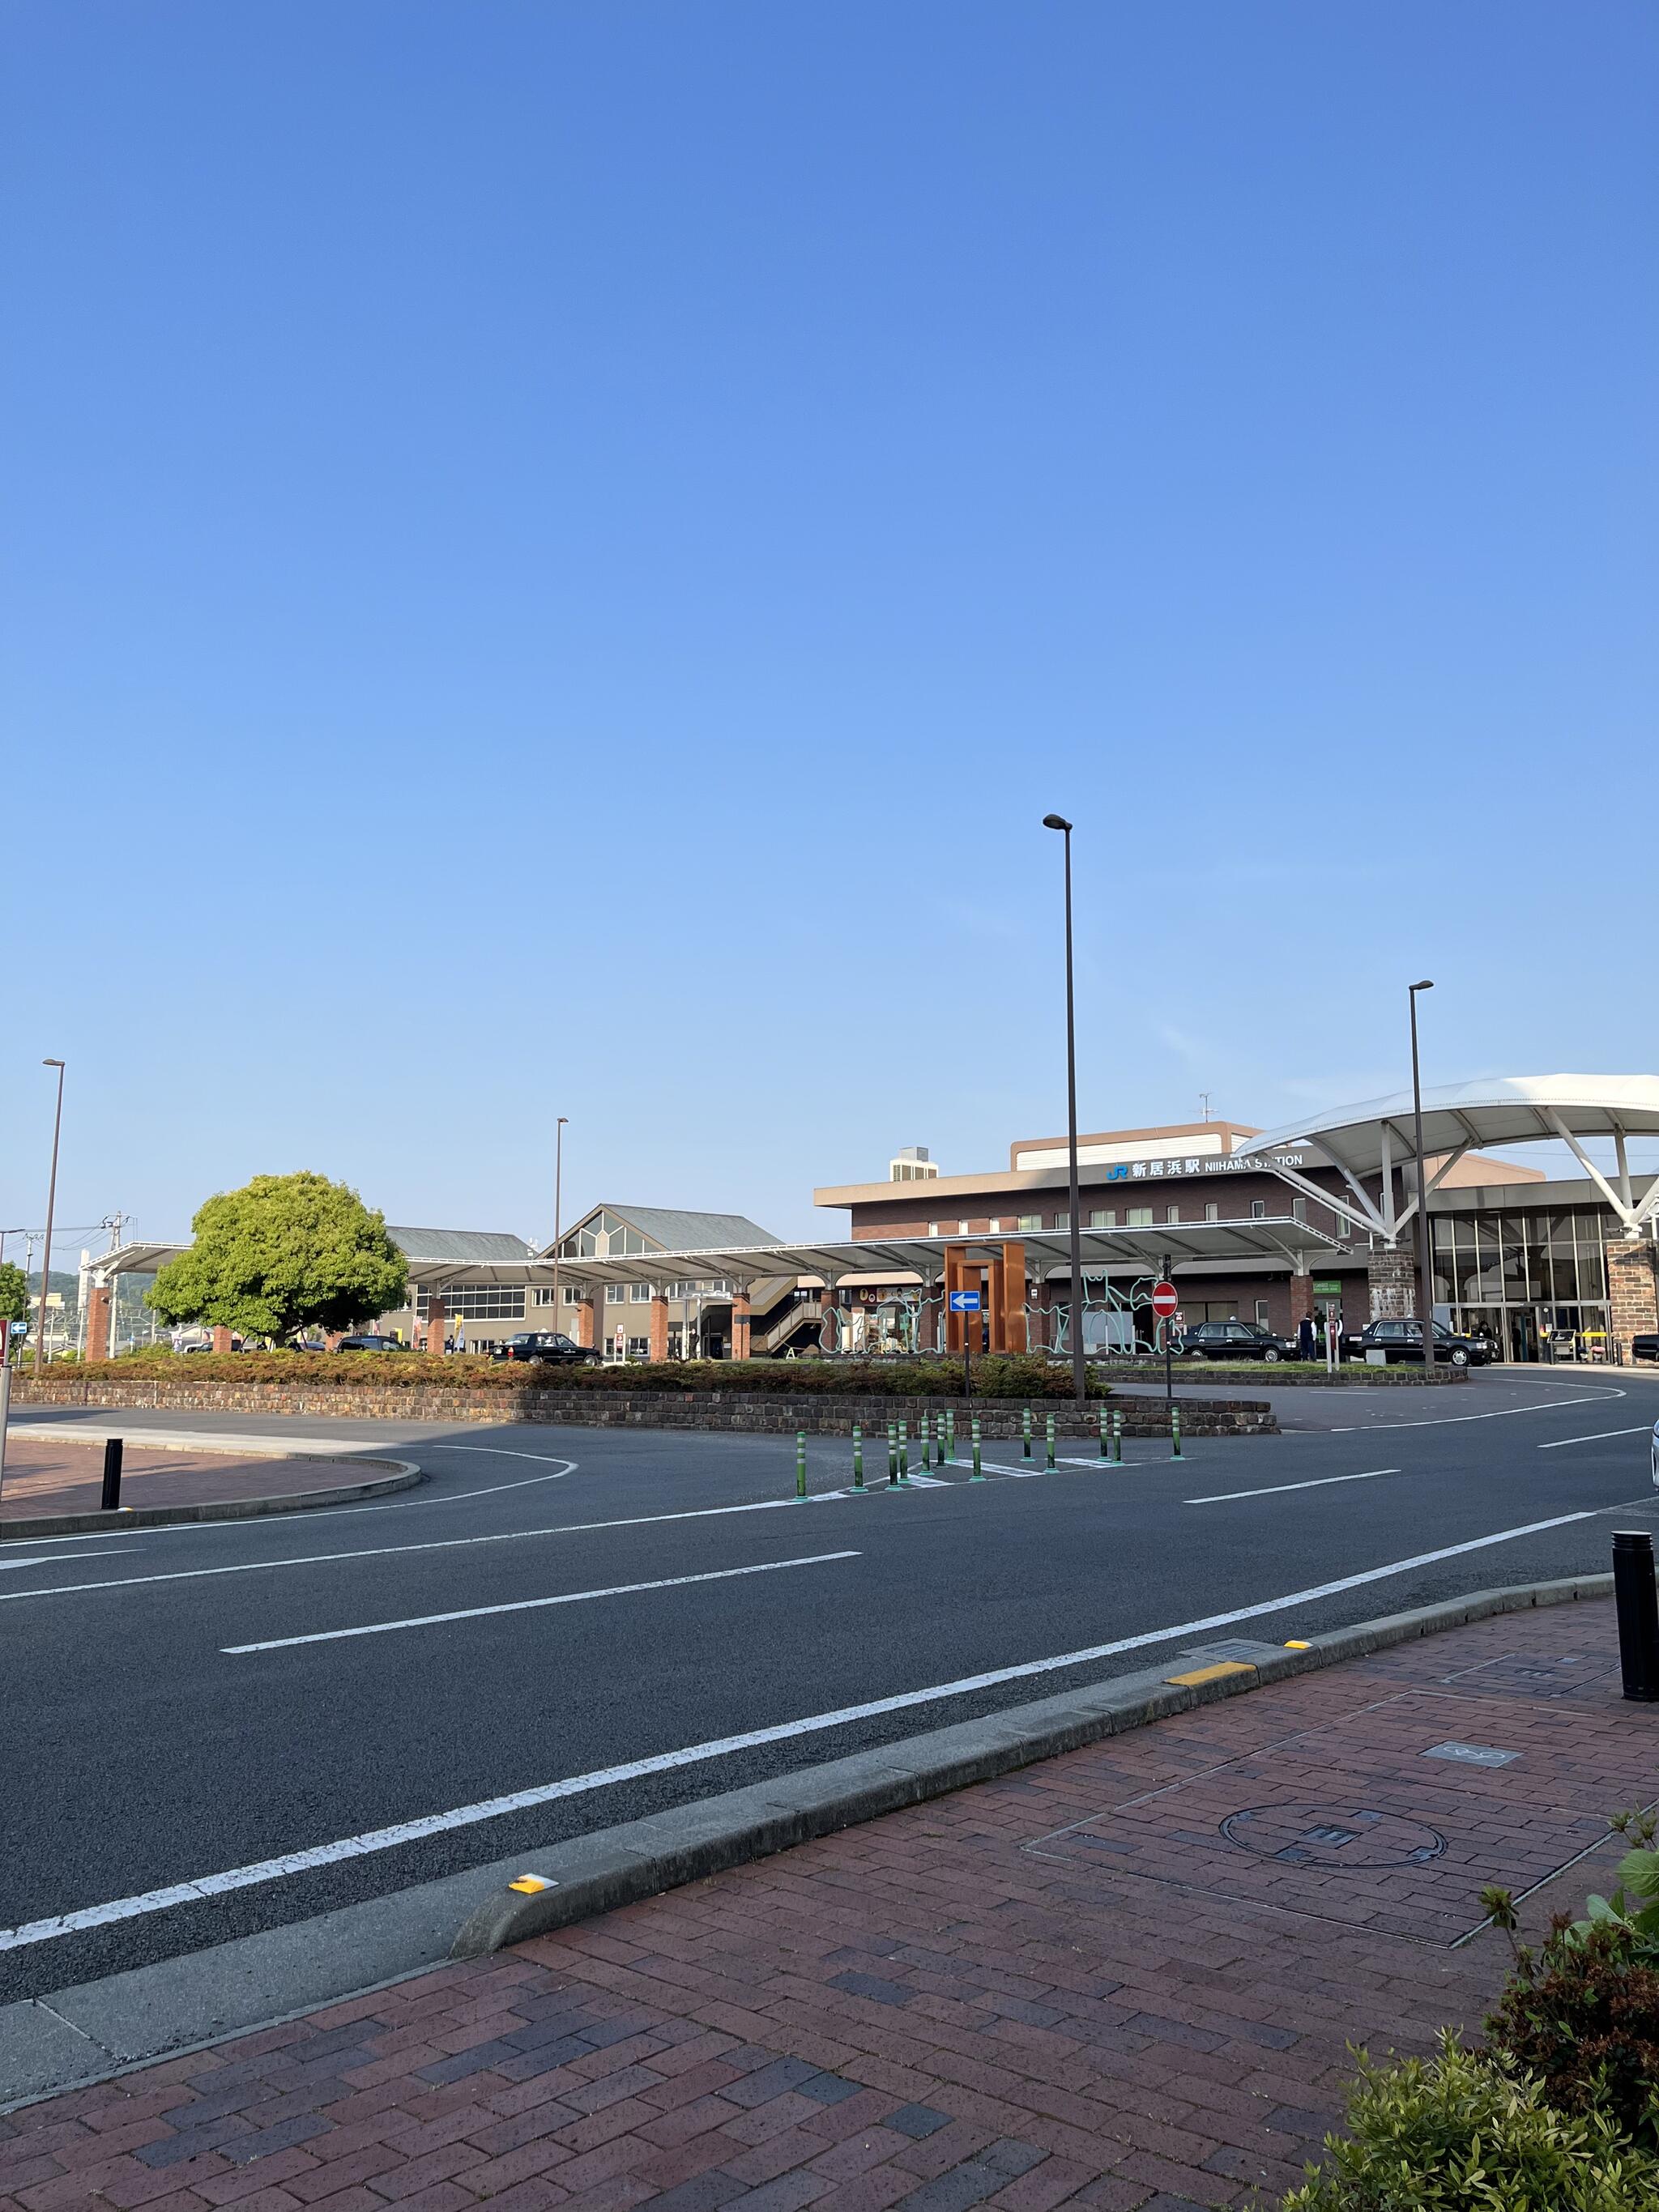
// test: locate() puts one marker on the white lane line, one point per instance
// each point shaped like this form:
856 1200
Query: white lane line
10 1566
1502 1414
545 1793
1600 1436
386 1551
1272 1488
533 1604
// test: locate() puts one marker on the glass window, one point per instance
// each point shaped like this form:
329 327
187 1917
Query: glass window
1261 1306
932 1228
1212 1210
1258 1209
571 1294
1103 1218
543 1296
962 1228
1139 1216
1030 1221
1173 1215
615 1293
639 1294
1299 1209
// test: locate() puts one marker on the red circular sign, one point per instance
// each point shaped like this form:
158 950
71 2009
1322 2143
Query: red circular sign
1166 1300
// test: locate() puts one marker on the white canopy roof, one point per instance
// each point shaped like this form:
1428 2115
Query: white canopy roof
1503 1109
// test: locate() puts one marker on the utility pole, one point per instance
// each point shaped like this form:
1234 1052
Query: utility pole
52 1204
558 1199
1080 1356
1204 1097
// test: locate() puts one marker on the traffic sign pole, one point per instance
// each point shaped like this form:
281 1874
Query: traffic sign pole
1166 1303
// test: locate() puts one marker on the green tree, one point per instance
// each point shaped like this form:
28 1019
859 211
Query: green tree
283 1252
13 1293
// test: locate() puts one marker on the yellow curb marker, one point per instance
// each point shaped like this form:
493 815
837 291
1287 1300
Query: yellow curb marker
529 1883
1295 1643
1210 1673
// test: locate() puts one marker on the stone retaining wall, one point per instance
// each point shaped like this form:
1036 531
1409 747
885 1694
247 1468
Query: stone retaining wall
819 1415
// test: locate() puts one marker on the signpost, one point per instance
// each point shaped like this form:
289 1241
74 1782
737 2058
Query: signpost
1166 1303
965 1302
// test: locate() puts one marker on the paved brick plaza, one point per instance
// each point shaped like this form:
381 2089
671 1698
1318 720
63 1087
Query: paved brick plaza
1125 1979
44 1478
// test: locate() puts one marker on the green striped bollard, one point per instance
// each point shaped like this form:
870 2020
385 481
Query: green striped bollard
951 1435
1105 1444
904 1451
892 1453
1117 1438
926 1432
1050 1441
1025 1434
1174 1432
858 1459
801 1464
978 1476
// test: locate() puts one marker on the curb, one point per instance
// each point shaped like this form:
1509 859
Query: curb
71 2038
641 1858
404 1474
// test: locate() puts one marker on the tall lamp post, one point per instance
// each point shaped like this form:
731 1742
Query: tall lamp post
1079 1364
1425 1258
558 1195
51 1201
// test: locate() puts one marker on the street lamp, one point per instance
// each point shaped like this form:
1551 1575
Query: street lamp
1425 1261
1079 1365
558 1193
51 1201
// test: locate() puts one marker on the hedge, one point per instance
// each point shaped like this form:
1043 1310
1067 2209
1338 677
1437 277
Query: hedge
995 1377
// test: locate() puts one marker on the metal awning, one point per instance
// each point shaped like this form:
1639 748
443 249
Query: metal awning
1375 1138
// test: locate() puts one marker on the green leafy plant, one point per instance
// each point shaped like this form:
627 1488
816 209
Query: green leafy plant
1582 2012
280 1253
1459 2133
13 1293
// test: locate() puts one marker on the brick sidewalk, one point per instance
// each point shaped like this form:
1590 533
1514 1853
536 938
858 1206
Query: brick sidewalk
1125 1979
68 1478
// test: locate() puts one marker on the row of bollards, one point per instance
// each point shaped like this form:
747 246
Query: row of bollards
937 1436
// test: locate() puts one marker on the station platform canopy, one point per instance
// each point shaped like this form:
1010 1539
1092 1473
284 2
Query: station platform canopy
435 1256
1373 1138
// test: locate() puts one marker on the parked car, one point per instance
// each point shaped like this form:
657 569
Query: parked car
548 1346
1403 1340
370 1344
1236 1339
1645 1347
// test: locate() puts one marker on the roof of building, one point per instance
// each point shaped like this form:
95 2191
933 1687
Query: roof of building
469 1247
675 1229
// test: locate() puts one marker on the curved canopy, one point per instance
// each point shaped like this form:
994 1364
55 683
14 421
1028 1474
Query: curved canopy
1500 1110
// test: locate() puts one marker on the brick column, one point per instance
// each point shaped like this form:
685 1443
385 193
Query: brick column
659 1327
586 1322
739 1324
1301 1300
99 1301
1633 1289
1392 1273
221 1340
437 1315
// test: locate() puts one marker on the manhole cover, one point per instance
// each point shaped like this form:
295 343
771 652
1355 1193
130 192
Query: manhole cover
1346 1836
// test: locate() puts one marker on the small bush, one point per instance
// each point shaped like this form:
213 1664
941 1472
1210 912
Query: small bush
1458 2133
996 1377
1582 2015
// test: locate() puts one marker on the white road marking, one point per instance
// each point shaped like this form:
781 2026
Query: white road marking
1561 1442
533 1604
9 1566
1501 1414
546 1793
1272 1488
386 1551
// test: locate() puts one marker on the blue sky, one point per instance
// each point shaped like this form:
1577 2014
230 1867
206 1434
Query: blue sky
556 555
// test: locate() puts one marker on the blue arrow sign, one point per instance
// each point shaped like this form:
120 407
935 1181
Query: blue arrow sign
964 1301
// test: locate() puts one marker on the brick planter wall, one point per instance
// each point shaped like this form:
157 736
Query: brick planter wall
645 1409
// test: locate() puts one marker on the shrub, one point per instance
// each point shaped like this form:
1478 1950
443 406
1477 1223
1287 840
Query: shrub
1582 2015
1458 2133
995 1377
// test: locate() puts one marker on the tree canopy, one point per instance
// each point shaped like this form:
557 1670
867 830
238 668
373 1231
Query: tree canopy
13 1293
283 1254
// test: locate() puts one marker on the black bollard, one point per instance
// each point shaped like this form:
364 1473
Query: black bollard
1637 1599
111 1498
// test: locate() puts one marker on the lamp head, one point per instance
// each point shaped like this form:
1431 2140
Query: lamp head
1422 986
1055 822
51 1063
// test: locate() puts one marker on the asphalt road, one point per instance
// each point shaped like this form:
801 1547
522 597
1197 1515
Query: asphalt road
182 1705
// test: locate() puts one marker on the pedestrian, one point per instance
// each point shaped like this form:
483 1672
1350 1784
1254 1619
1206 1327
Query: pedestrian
1305 1337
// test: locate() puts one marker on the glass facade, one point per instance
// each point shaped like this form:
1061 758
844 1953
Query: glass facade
1536 1283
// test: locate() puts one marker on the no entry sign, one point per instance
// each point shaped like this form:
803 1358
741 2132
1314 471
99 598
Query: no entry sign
1166 1301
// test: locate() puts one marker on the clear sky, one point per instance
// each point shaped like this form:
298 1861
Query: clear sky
556 555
